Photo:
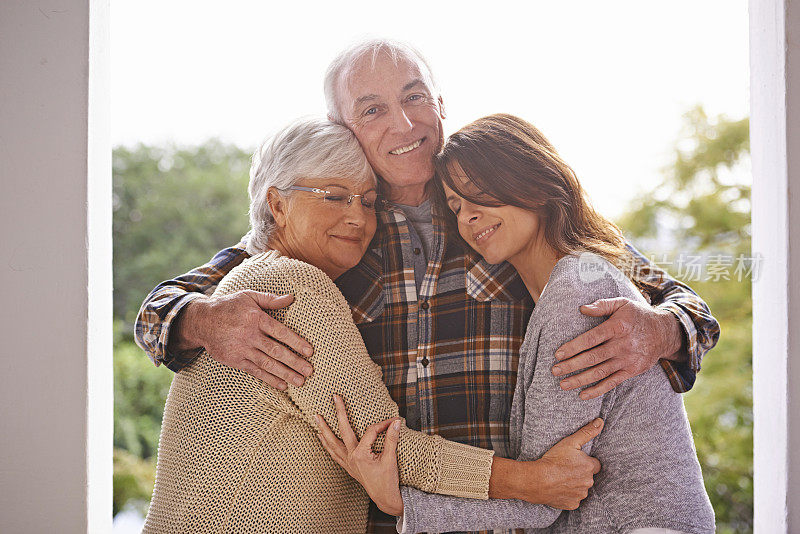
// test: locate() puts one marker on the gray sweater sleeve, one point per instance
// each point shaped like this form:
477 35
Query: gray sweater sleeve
549 414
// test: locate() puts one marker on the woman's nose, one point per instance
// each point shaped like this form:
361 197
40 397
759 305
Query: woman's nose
467 214
356 213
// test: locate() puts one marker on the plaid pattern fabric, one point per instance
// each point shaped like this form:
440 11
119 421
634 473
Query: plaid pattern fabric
165 302
448 354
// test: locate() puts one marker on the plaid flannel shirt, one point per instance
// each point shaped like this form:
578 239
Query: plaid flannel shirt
448 352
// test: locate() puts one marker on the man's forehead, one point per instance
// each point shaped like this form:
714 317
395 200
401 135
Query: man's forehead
382 74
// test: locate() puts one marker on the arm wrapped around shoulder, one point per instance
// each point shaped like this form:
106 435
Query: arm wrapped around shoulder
342 366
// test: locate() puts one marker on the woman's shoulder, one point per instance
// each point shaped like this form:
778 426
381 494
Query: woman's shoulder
271 272
583 278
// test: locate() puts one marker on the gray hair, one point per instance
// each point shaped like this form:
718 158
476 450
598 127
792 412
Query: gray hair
310 147
345 61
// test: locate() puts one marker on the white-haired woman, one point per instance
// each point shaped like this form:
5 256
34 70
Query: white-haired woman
237 455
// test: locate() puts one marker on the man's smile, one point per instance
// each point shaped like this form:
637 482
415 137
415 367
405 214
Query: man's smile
407 148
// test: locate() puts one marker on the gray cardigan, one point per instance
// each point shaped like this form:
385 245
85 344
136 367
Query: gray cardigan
650 475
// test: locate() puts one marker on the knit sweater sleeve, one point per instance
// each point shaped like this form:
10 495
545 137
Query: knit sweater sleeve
342 366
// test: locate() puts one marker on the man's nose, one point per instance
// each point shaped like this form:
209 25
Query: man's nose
400 120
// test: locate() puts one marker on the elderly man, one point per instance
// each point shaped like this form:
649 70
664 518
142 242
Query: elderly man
444 325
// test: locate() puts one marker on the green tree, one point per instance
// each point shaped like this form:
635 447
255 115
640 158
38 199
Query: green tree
173 209
703 205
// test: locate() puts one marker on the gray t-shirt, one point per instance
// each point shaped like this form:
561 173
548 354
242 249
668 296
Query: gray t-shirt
650 475
420 225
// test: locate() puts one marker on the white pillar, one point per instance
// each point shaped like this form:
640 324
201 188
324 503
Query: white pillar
775 146
55 266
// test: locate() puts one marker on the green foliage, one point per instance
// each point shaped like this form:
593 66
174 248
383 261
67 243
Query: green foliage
705 209
133 481
139 392
700 198
173 209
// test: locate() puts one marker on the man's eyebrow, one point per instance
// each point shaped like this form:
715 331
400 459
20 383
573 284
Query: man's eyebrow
366 98
413 83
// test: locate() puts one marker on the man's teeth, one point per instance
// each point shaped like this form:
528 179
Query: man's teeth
486 232
405 149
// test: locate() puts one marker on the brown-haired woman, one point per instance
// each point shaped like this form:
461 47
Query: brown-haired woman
516 200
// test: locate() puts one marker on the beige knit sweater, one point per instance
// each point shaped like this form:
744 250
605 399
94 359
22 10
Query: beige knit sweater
236 455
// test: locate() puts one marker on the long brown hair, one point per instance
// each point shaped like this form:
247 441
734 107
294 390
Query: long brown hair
512 163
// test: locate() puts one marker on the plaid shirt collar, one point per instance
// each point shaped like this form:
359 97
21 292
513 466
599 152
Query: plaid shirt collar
484 281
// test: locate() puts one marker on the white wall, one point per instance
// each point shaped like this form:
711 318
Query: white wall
775 145
55 267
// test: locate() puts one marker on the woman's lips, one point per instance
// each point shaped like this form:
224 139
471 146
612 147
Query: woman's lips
357 240
486 233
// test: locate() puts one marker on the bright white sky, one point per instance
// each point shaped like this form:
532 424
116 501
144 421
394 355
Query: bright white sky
607 82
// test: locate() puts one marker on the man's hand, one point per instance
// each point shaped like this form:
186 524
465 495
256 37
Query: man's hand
376 472
629 343
561 478
237 332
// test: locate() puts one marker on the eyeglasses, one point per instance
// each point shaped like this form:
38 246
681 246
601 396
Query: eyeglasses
341 198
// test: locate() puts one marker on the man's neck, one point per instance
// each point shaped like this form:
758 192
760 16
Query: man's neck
409 196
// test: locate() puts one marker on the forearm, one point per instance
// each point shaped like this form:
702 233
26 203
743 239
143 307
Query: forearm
186 332
427 512
164 306
699 329
674 338
511 479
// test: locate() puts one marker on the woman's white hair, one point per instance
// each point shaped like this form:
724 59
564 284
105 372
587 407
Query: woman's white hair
344 62
310 147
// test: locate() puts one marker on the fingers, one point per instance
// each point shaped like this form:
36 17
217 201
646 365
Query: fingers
606 385
348 436
593 374
597 335
595 464
603 307
589 358
288 365
370 435
269 301
390 444
274 367
584 434
277 330
330 442
271 380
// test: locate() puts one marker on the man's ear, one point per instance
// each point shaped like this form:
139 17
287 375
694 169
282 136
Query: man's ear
278 205
442 113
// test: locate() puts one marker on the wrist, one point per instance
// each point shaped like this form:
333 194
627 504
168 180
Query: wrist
513 480
675 337
186 331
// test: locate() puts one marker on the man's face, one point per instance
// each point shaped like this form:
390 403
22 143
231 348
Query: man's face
397 120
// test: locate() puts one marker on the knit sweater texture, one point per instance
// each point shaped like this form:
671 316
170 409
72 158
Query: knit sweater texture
650 476
238 456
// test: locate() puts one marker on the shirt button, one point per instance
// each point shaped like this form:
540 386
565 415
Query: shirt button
424 305
424 361
417 251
